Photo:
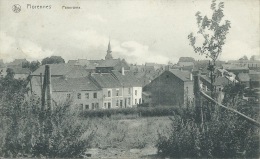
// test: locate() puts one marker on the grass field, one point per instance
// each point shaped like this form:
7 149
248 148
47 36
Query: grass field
123 136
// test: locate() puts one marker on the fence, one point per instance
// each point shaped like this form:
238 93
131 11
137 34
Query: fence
198 105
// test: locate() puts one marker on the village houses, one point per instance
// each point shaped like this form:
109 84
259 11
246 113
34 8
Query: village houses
108 84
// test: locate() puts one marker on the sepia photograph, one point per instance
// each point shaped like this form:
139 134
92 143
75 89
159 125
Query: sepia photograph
130 79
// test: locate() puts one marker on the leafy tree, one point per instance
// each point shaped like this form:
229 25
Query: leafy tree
53 60
254 57
212 33
34 65
244 58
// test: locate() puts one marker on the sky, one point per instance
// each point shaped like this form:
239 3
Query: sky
139 30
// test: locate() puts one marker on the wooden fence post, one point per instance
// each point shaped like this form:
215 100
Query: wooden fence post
198 105
48 88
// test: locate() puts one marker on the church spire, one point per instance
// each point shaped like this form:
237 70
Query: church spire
109 55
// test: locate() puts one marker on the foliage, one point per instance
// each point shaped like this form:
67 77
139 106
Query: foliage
140 111
34 65
12 89
224 136
233 93
212 32
53 60
24 134
244 58
254 57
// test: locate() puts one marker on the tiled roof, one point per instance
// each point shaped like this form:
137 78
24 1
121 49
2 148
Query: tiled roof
205 78
221 81
73 84
150 64
62 84
105 80
72 62
128 79
109 63
255 77
62 69
20 70
234 67
243 61
243 77
186 63
77 72
183 75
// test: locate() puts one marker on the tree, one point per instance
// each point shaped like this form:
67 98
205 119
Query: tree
244 58
252 58
212 33
34 65
53 60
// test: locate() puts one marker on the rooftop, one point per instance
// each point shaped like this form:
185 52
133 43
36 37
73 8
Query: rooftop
183 75
128 79
243 77
106 80
63 69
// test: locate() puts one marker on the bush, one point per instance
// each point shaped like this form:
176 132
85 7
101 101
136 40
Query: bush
140 111
57 135
224 136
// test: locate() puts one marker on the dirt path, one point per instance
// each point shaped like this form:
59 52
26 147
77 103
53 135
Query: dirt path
148 152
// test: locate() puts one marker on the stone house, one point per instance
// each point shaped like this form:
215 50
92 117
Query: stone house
172 87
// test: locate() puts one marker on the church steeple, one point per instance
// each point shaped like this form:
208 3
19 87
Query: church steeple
109 55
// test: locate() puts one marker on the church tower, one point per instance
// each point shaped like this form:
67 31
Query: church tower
109 55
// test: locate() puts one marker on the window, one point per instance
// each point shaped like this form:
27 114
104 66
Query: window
105 105
117 92
87 95
136 92
109 105
109 93
68 95
97 105
219 89
117 102
79 95
81 107
135 101
121 103
93 106
95 95
129 90
86 106
129 101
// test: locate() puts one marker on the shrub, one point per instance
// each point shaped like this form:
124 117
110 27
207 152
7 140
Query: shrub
224 136
141 111
58 135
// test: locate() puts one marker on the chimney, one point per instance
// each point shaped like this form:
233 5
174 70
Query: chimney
123 71
167 68
191 76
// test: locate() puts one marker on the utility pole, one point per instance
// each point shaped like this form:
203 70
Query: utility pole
48 87
198 104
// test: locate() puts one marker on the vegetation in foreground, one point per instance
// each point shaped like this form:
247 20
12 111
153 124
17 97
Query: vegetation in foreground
223 134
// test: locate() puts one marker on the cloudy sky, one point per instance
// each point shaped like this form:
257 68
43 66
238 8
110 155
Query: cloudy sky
140 31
